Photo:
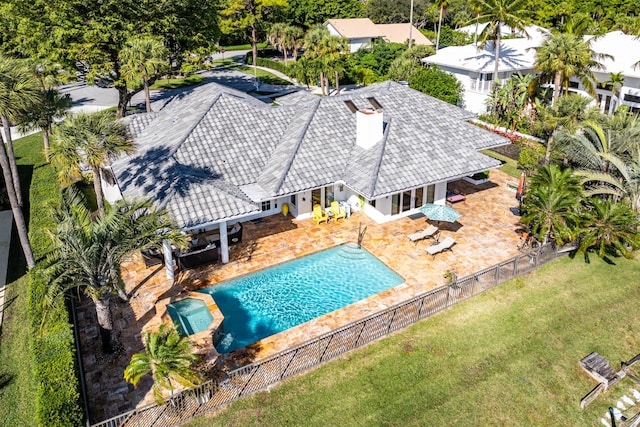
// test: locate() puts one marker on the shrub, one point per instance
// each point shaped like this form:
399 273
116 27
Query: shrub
530 156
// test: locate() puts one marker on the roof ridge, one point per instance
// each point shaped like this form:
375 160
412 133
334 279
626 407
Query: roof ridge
195 123
298 140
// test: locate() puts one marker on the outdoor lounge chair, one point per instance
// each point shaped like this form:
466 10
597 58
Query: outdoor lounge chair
445 245
454 197
319 215
429 232
338 211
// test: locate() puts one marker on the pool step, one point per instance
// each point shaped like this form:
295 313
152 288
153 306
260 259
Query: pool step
352 251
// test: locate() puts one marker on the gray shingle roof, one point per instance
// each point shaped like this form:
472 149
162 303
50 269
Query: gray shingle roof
197 155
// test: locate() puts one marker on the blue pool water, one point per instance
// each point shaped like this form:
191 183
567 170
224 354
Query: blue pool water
190 315
269 301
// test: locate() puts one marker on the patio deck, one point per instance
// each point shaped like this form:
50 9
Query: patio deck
485 234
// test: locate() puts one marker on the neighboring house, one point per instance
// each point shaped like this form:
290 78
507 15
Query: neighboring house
361 32
217 156
473 67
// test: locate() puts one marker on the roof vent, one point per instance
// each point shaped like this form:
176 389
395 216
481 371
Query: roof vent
369 127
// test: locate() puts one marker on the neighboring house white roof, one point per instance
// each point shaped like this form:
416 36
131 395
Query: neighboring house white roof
359 28
533 31
519 54
625 50
515 55
214 154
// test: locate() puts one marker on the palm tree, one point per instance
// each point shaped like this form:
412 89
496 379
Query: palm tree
563 55
87 253
442 4
276 36
16 209
590 147
167 358
615 82
18 92
496 13
293 40
551 204
91 139
143 58
51 106
609 228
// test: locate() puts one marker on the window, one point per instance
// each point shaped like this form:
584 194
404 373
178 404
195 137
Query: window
372 202
266 205
375 103
328 195
631 98
406 201
395 204
316 197
574 85
351 106
292 200
431 190
419 195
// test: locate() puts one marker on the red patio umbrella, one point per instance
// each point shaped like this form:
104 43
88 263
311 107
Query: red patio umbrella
520 192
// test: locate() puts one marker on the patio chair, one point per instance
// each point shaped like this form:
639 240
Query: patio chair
338 211
445 245
319 215
429 232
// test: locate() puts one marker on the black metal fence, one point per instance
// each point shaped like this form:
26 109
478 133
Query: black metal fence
269 371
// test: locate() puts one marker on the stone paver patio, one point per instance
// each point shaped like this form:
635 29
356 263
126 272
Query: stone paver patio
486 234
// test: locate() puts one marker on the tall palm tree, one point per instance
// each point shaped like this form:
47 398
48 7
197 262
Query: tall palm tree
87 253
92 139
18 92
143 57
609 228
167 358
563 55
496 13
551 204
442 4
16 209
50 106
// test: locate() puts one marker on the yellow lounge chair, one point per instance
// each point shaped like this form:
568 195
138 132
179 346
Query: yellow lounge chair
338 211
319 215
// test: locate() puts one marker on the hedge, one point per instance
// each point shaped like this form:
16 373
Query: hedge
52 342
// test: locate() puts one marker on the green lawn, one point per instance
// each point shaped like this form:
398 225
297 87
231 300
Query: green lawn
191 80
508 357
263 76
17 385
509 166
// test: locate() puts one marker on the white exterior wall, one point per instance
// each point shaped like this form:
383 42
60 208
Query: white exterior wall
112 193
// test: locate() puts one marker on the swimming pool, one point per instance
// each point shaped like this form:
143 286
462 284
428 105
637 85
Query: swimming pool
190 315
269 301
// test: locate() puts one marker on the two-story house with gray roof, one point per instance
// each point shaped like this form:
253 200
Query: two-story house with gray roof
216 156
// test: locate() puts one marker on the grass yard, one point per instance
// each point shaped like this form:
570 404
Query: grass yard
508 357
509 166
263 76
191 80
17 386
